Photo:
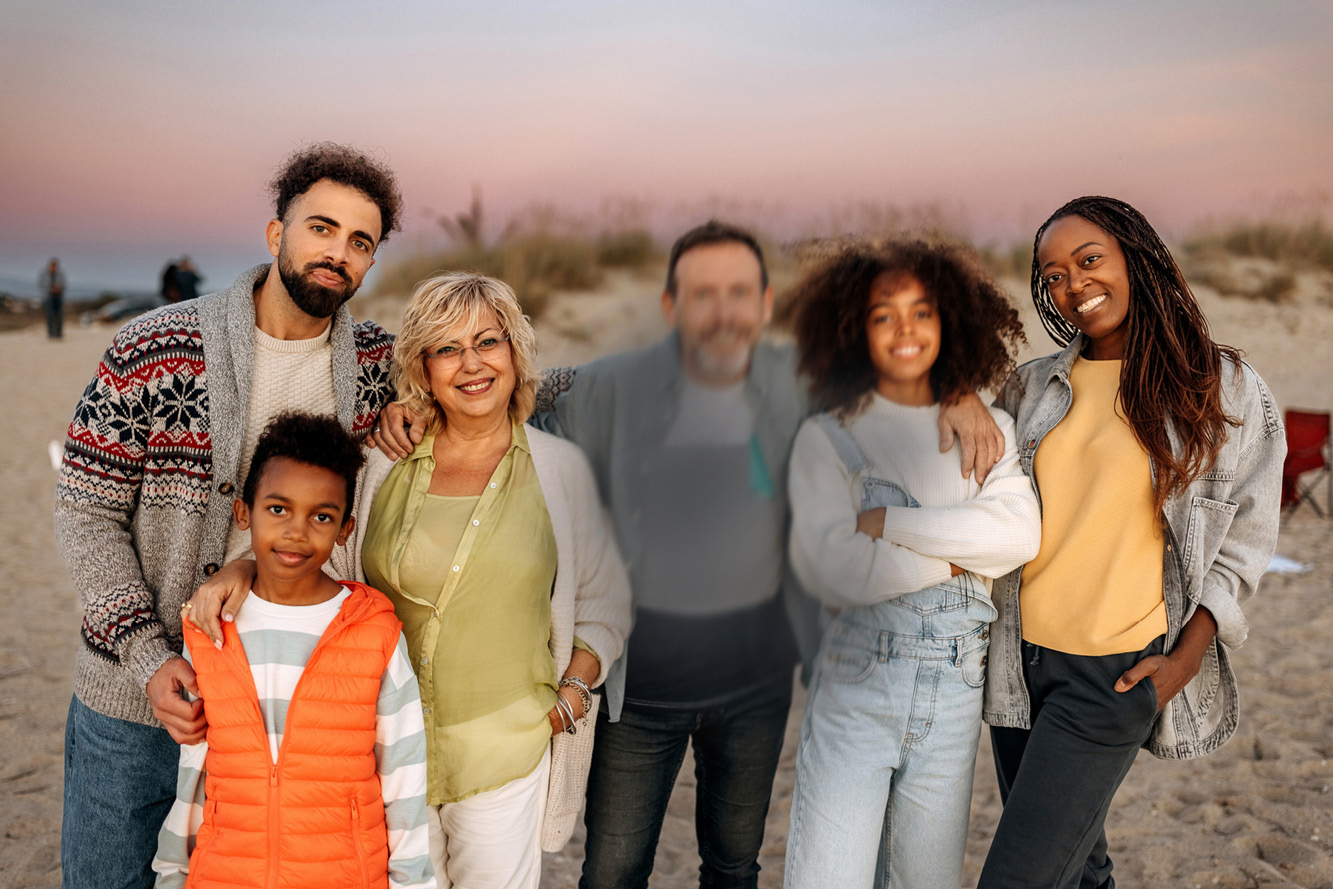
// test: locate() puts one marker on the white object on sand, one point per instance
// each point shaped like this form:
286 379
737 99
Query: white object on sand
56 453
1283 565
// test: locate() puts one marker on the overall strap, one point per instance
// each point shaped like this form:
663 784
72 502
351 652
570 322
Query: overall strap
848 450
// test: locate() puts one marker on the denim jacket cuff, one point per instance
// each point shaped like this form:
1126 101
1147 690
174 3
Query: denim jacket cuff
1232 627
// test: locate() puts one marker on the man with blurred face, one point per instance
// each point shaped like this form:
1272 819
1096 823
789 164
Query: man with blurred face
159 445
718 303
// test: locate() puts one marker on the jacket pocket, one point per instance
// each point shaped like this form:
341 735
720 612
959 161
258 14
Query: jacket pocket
1209 521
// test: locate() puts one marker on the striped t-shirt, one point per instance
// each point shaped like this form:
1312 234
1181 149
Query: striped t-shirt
278 640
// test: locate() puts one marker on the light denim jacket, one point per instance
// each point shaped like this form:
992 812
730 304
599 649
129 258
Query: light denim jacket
1221 533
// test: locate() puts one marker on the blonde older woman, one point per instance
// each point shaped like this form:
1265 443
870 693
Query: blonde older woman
491 543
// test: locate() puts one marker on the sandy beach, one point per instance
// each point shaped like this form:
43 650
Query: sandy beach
1259 812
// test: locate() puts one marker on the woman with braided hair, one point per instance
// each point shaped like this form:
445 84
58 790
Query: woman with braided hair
1157 455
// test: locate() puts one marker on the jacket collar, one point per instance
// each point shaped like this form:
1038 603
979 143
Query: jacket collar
1064 361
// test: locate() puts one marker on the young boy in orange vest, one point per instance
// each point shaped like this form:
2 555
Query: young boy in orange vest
313 772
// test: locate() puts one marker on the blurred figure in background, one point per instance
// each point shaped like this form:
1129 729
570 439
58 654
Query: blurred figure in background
171 289
187 279
51 284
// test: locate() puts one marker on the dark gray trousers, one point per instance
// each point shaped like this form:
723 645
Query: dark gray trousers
1058 778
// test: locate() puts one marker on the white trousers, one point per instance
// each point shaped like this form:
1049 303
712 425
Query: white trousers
492 840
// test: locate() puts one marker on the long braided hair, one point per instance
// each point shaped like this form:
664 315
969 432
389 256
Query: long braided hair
1172 370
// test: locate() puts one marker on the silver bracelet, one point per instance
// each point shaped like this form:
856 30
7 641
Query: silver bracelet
564 720
566 712
581 688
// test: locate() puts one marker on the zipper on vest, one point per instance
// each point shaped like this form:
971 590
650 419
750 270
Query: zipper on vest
273 826
356 841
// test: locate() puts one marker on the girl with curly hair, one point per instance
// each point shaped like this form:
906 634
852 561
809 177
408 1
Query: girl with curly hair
1158 456
901 548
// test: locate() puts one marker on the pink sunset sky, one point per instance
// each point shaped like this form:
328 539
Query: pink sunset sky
137 131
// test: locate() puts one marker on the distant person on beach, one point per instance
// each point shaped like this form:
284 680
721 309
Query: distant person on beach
311 692
51 284
170 290
1157 454
187 279
690 440
902 551
159 444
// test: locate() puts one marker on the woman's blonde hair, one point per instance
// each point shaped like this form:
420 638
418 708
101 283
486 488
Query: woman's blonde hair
440 308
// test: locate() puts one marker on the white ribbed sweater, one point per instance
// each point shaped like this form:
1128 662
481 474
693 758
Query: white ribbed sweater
988 530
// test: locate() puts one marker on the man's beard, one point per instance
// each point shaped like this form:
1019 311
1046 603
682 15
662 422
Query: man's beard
314 299
732 362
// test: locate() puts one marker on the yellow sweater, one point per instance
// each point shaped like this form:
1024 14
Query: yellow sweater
1095 587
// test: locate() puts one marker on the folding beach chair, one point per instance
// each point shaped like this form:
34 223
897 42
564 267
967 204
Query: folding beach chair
1307 451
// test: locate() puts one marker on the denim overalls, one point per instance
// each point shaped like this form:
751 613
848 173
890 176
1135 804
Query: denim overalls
889 740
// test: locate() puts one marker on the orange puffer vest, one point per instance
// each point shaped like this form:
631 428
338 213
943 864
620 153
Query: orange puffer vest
316 817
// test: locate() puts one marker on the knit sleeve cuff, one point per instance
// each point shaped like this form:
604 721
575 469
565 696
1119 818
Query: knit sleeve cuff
144 653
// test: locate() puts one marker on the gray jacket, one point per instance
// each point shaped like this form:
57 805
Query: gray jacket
1221 533
619 407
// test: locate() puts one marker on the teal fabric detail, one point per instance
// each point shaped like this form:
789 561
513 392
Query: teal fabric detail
761 483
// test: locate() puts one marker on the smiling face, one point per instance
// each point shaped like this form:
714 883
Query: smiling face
1085 272
719 310
298 516
469 383
903 332
325 246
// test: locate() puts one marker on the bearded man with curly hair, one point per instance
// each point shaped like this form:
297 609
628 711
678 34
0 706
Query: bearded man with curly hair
159 445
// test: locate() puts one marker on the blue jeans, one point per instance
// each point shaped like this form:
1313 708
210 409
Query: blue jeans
634 766
120 781
889 741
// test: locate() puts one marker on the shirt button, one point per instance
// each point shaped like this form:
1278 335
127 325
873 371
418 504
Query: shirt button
455 567
211 568
425 711
985 633
425 661
492 484
984 659
475 523
225 488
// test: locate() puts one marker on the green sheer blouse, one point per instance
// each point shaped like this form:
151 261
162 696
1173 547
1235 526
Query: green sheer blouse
470 578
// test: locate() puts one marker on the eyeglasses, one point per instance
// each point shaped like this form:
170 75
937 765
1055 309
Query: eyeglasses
453 354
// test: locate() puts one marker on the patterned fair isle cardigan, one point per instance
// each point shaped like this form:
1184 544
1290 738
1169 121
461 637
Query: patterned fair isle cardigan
150 471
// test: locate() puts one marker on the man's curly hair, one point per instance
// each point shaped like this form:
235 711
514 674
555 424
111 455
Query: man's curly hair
306 438
978 326
346 166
